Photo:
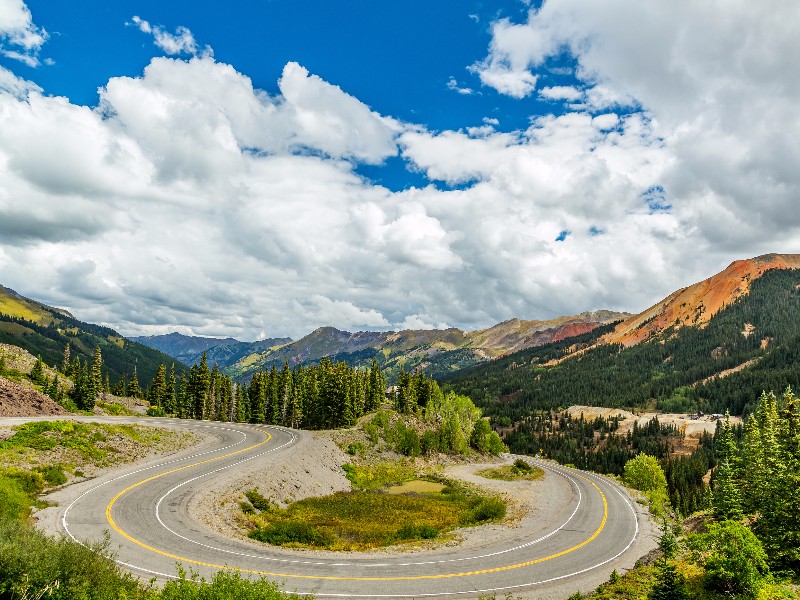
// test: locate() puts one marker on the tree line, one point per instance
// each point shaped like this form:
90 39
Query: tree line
597 445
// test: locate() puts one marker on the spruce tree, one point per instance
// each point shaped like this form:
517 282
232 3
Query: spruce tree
97 371
120 388
727 501
670 585
202 390
183 407
169 401
37 372
134 391
158 387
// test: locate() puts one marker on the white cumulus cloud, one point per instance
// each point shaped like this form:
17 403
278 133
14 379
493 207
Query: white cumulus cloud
20 38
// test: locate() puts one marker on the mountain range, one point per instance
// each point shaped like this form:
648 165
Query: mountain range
713 345
436 351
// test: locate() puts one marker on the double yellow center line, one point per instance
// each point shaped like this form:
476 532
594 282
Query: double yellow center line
184 559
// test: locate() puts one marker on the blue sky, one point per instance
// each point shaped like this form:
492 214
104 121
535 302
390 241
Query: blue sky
260 169
397 57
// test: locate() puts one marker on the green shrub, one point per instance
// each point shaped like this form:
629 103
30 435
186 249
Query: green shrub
155 411
734 560
30 561
406 440
53 474
522 466
644 473
224 585
372 431
292 532
416 532
356 448
258 501
428 442
14 502
488 509
31 482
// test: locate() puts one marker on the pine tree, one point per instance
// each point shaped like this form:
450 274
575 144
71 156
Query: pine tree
158 387
273 397
55 389
727 499
376 388
183 407
169 401
212 409
670 585
96 384
134 391
2 364
202 390
121 387
37 372
242 403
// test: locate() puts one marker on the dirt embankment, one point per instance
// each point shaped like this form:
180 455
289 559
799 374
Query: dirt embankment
22 400
312 467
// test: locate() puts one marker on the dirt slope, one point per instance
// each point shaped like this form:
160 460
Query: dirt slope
21 400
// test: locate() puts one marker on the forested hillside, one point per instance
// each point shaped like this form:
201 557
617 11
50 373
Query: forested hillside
675 371
45 331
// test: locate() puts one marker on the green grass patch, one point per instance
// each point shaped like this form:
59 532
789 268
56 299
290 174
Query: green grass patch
51 447
376 476
361 519
114 409
53 474
512 473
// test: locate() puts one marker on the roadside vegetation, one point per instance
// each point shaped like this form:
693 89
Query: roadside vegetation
747 544
519 470
63 450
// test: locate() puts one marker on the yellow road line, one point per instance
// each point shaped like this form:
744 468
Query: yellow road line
332 577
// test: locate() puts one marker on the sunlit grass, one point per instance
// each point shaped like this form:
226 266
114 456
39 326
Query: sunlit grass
76 445
362 520
378 475
511 473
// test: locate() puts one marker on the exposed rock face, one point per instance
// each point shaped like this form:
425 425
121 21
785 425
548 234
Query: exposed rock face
696 304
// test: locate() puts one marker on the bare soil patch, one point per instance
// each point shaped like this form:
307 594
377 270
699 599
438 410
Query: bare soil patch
23 400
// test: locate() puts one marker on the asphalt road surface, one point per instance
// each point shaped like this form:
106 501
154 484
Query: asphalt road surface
593 527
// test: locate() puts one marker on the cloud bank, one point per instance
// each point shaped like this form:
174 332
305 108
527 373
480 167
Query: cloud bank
189 199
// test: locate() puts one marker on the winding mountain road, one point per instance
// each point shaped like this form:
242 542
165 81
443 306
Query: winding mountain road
591 527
